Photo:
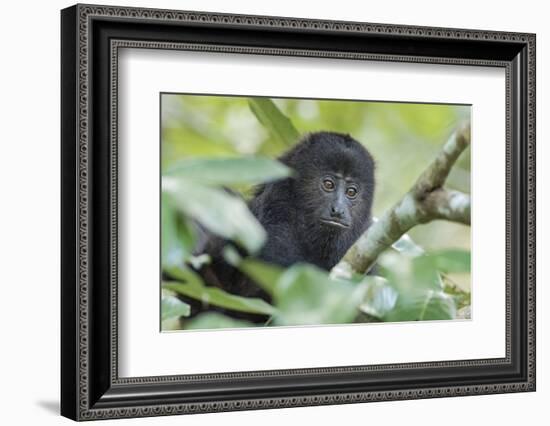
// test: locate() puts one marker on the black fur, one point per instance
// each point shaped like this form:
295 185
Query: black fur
292 211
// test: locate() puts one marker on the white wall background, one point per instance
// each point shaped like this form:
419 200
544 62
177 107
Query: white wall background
29 211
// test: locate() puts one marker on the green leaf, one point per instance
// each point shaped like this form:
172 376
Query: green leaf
218 297
212 320
407 273
172 307
421 305
380 297
229 171
420 287
425 273
178 236
456 261
275 122
220 212
397 269
185 274
305 294
407 246
266 275
427 269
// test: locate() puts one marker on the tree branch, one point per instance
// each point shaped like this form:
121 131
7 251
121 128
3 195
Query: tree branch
427 200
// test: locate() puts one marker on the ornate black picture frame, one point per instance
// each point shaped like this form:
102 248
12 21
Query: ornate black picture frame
91 36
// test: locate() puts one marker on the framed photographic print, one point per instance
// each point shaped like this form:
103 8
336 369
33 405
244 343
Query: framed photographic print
263 212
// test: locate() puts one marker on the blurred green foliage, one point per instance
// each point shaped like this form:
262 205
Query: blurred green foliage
211 144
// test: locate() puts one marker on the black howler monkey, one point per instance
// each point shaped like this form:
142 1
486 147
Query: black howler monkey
313 216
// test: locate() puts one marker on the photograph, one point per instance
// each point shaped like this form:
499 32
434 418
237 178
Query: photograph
306 212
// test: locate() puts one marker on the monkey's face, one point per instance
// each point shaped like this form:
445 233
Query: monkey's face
333 202
334 183
338 196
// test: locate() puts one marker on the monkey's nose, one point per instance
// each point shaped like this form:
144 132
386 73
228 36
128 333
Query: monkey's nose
336 212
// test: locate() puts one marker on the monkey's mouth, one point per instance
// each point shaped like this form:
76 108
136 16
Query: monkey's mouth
335 223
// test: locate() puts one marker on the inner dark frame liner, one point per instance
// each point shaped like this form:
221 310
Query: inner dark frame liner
90 387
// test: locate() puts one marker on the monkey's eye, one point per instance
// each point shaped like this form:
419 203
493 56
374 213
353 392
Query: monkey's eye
351 192
328 185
